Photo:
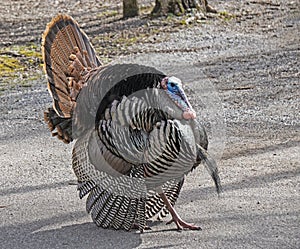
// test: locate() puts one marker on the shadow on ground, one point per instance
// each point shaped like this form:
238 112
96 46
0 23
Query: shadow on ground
39 234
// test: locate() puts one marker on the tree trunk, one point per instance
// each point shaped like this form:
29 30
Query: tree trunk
130 8
179 7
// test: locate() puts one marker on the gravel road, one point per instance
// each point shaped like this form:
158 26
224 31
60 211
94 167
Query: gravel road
242 76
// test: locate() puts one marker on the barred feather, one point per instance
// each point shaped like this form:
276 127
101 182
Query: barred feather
104 217
131 214
156 206
85 187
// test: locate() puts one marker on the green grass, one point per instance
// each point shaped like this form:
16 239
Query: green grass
19 65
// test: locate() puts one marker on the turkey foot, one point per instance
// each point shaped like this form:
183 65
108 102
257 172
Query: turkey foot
181 224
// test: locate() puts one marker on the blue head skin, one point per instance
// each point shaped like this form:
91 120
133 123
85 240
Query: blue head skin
174 90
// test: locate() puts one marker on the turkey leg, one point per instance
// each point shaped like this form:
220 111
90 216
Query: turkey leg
175 217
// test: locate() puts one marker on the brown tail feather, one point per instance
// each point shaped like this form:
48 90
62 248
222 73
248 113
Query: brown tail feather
63 126
68 58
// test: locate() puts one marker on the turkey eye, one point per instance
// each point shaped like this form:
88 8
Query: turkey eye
172 84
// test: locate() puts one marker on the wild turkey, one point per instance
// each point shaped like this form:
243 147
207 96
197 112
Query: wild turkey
135 130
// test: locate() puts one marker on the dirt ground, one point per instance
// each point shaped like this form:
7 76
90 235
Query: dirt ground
241 69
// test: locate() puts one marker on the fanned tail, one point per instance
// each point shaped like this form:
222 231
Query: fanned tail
68 59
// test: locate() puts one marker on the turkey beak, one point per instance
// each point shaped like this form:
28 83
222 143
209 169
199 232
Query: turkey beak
188 112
